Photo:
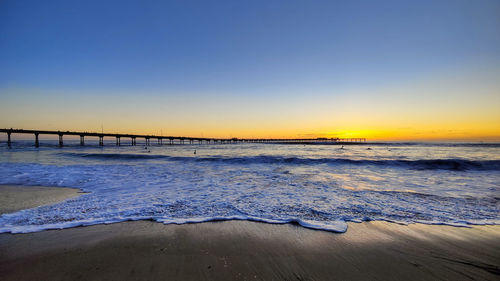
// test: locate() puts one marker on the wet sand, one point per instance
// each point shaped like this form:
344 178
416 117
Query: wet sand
242 250
15 197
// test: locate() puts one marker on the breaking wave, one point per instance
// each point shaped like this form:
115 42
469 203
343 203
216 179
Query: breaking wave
422 164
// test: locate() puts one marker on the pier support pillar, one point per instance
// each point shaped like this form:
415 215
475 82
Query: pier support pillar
60 140
117 141
133 140
82 140
36 140
9 142
101 140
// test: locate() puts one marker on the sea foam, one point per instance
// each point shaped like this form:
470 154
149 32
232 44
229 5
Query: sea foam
320 187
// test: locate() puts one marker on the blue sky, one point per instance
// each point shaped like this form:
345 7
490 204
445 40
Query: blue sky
233 50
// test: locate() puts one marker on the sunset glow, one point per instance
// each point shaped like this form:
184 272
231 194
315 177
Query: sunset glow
254 71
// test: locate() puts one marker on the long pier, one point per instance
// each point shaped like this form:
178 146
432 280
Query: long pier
169 139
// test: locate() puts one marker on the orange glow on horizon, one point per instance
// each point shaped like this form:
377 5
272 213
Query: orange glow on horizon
445 107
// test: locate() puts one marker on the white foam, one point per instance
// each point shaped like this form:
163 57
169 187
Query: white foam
183 190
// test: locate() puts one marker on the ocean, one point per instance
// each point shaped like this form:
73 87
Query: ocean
315 186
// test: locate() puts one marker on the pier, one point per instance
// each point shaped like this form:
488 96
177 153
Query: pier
170 140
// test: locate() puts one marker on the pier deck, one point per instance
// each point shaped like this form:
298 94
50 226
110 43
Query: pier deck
169 139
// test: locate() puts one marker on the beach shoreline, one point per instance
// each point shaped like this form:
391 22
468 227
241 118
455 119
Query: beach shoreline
245 250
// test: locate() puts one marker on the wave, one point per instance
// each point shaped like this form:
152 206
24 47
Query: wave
37 219
421 164
117 156
339 226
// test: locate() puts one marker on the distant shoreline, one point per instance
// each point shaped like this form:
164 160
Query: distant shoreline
72 142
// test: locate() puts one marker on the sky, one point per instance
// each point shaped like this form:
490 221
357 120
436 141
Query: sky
384 70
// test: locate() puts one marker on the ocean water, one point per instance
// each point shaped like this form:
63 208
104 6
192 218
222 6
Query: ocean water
316 186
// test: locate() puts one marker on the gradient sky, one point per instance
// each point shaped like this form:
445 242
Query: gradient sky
385 70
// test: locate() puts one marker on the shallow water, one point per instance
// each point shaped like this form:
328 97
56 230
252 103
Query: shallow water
317 186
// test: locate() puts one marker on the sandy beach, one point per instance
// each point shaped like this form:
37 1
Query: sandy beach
243 250
15 198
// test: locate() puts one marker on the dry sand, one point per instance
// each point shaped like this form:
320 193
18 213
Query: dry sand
242 250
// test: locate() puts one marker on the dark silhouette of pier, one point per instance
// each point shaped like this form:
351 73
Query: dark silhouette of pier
172 139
